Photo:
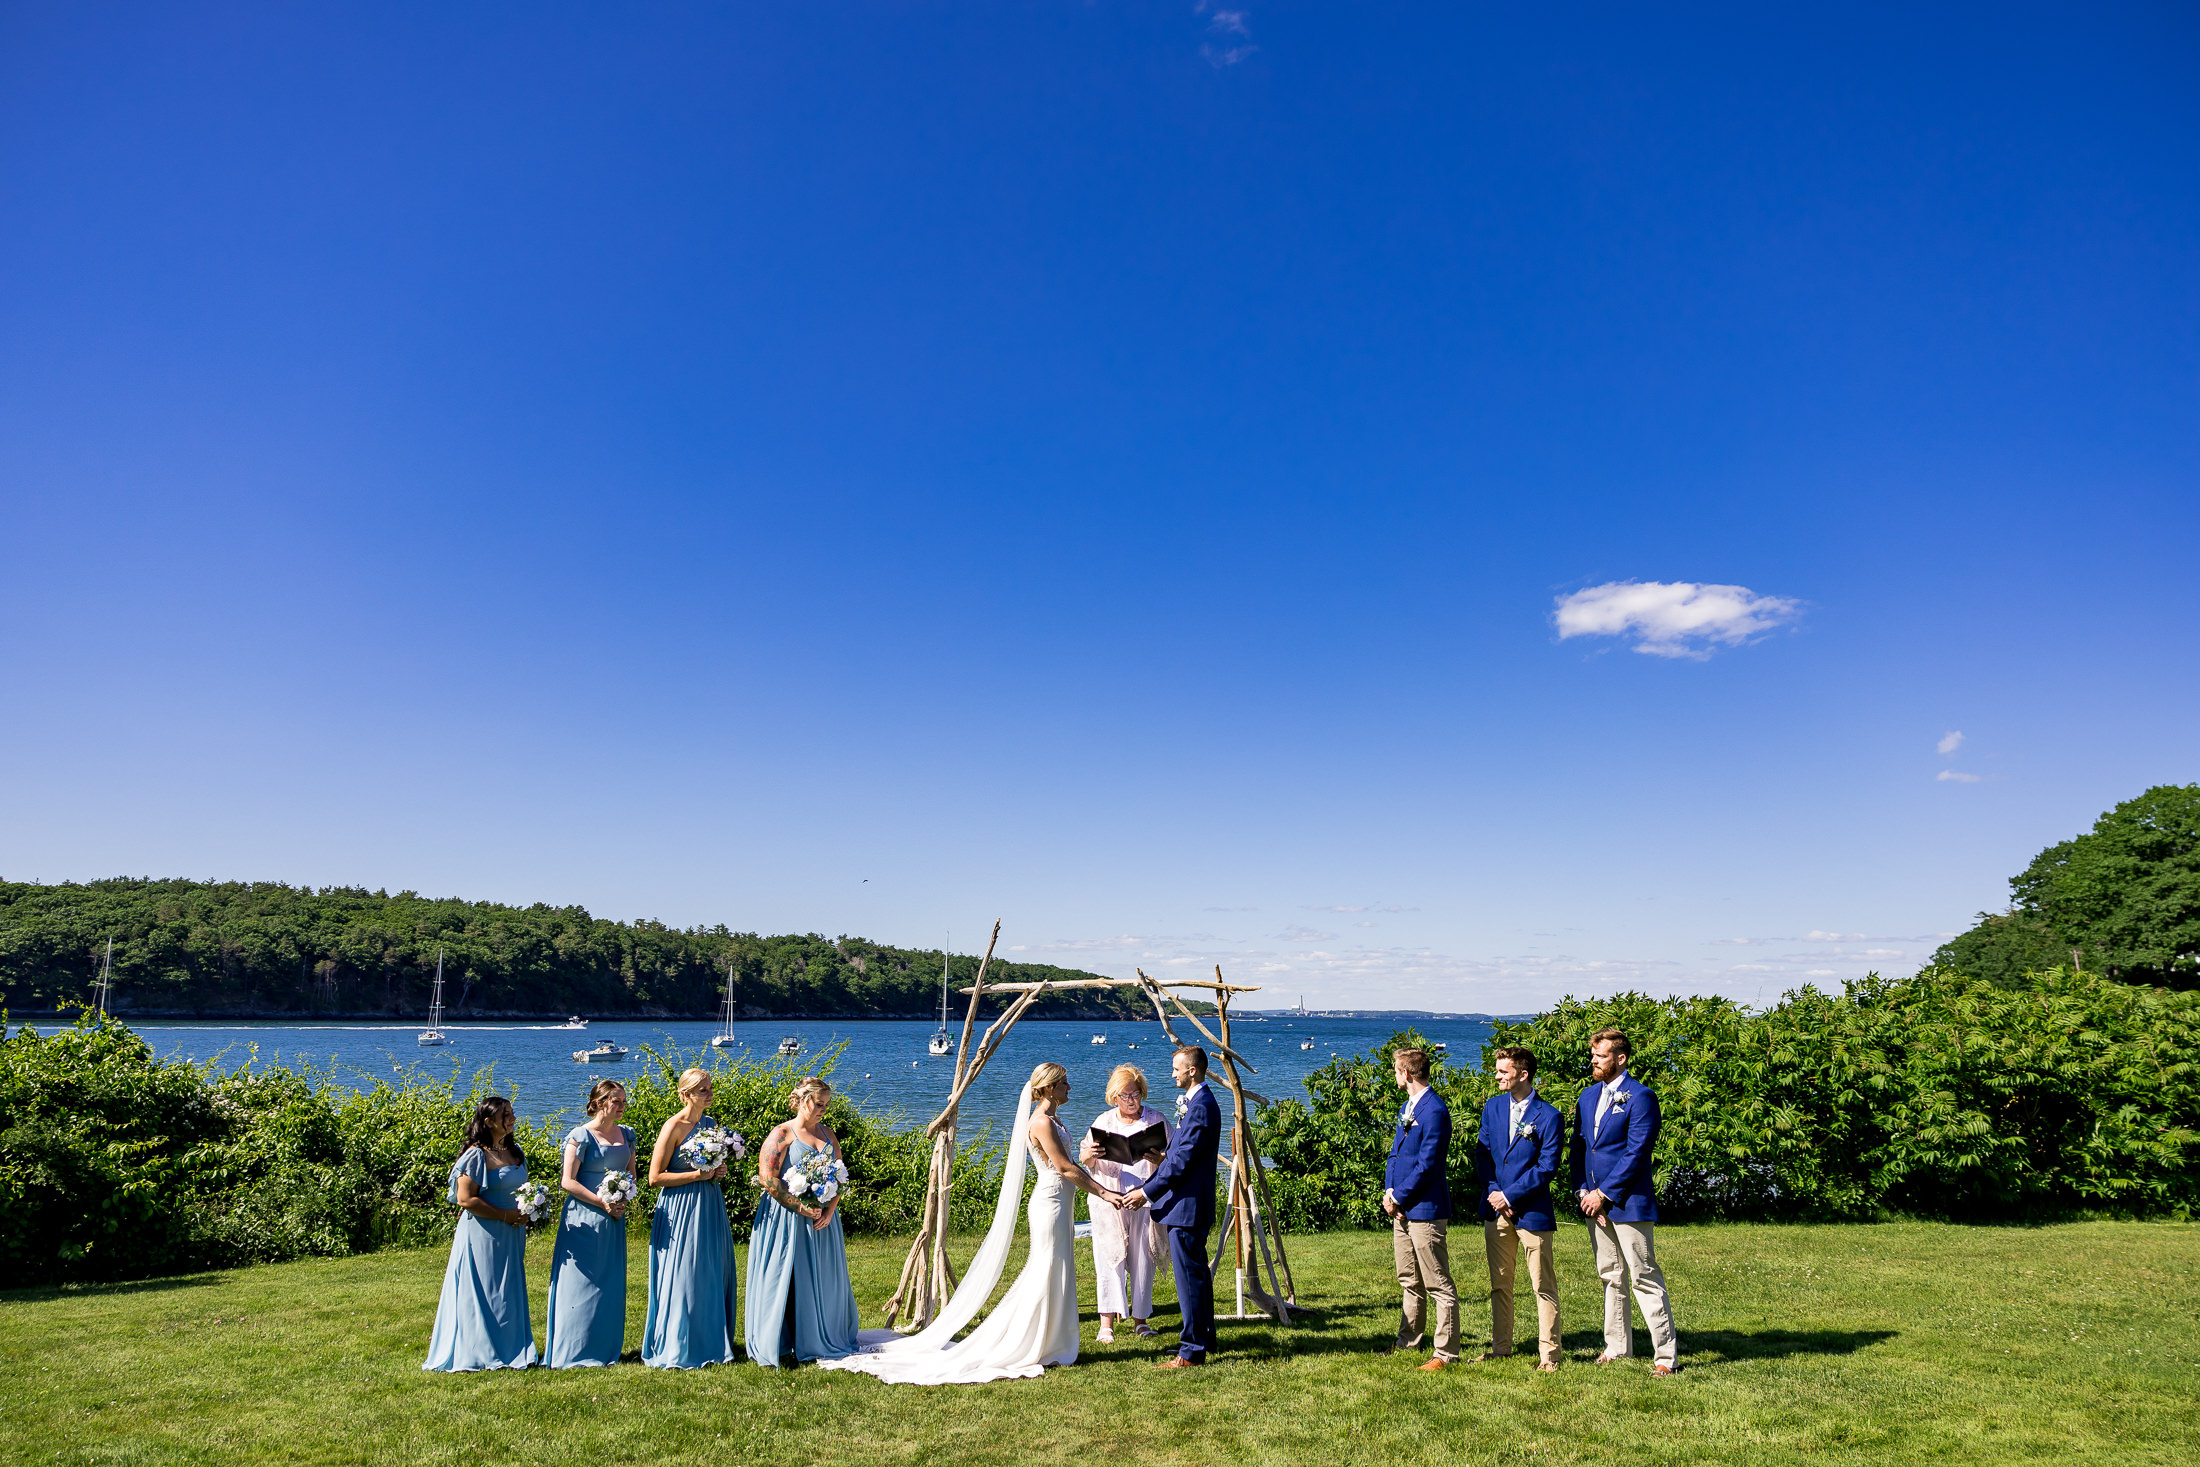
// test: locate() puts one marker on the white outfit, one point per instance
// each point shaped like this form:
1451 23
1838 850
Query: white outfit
1125 1244
1034 1325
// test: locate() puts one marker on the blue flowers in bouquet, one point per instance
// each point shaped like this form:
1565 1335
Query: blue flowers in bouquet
818 1176
617 1187
534 1201
709 1146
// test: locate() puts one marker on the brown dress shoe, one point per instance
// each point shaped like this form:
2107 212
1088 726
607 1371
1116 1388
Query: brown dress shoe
1665 1370
1547 1367
1433 1364
1177 1362
1492 1355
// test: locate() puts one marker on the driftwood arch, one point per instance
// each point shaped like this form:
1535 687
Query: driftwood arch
1249 1228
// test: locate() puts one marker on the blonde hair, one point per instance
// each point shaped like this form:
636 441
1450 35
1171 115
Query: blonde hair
1126 1077
1414 1062
690 1078
1046 1077
807 1085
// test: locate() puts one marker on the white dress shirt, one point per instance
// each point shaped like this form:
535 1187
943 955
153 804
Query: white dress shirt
1604 1101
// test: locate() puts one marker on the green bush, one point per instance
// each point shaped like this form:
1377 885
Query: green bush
116 1164
1936 1096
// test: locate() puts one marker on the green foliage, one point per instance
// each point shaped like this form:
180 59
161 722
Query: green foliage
1935 1096
261 947
2125 896
116 1164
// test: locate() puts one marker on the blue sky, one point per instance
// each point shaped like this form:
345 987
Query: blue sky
1115 467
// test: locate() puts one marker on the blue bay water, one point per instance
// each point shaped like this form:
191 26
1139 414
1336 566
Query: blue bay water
884 1068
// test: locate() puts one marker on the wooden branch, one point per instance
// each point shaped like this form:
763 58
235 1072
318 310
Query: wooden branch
1153 991
1068 983
1218 1044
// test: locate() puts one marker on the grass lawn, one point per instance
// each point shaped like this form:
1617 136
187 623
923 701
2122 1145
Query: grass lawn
1889 1343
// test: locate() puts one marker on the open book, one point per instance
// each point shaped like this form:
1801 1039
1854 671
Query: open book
1130 1150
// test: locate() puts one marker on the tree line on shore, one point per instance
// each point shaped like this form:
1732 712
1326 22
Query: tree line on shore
264 948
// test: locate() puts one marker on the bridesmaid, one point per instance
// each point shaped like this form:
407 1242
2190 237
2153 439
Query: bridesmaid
693 1297
588 1265
800 1302
481 1322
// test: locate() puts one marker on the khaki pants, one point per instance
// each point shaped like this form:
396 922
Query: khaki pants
1424 1272
1504 1243
1629 1251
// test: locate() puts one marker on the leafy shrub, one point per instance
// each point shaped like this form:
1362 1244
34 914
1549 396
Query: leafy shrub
116 1164
1937 1095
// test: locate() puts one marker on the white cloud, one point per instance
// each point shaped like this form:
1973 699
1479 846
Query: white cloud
1673 618
1221 22
1305 934
1738 941
1814 935
1950 741
1956 776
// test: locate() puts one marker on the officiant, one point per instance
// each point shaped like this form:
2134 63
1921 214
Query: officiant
1126 1245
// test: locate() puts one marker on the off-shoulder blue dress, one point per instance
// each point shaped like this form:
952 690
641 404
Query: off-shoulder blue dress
588 1263
800 1301
481 1322
694 1299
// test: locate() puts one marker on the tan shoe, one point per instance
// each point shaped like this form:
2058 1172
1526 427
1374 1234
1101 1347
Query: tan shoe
1433 1364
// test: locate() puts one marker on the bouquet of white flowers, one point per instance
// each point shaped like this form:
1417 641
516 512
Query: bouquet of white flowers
818 1176
710 1145
617 1187
534 1201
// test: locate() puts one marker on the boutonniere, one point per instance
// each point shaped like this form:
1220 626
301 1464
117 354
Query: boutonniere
1525 1128
1619 1103
1183 1106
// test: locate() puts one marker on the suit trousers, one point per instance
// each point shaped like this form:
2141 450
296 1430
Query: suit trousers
1504 1244
1627 1251
1423 1256
1195 1291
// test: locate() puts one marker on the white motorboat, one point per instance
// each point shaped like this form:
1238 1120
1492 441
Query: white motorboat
433 1034
723 1039
1099 1039
1306 1044
606 1052
576 1022
788 1044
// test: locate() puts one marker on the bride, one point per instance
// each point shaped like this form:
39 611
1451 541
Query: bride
1035 1324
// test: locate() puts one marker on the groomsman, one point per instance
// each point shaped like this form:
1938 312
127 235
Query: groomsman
1417 1197
1618 1118
1515 1162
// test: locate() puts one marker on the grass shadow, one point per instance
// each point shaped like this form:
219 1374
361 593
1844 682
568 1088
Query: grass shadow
1775 1344
95 1290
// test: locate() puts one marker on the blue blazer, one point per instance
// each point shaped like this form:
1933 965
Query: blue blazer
1616 1160
1418 1153
1181 1191
1521 1167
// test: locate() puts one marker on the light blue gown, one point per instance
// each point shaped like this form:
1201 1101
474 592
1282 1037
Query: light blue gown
481 1322
588 1264
800 1301
694 1299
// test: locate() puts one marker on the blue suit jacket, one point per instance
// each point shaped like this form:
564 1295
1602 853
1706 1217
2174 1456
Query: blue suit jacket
1181 1191
1522 1167
1419 1151
1616 1160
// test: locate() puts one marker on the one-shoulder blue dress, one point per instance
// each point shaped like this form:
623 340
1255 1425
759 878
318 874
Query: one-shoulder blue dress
694 1300
588 1263
481 1322
800 1301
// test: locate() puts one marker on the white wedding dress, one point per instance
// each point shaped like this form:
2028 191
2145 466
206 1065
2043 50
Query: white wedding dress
1034 1325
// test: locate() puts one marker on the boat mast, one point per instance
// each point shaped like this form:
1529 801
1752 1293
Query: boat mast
106 979
435 1000
943 980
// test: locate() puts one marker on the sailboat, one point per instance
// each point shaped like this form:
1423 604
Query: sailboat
941 1044
723 1039
106 979
434 1034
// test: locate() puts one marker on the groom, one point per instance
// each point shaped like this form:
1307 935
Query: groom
1181 1193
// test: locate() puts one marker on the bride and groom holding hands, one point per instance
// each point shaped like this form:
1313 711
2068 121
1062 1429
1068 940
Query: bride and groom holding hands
1036 1323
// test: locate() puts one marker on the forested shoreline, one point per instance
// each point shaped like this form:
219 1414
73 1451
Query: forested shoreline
264 949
